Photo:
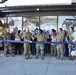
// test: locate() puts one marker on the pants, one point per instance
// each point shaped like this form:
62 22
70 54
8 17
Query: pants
41 48
33 48
27 50
70 48
17 48
13 47
60 51
53 50
44 49
8 48
22 48
66 49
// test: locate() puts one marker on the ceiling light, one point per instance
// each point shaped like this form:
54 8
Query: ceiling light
37 9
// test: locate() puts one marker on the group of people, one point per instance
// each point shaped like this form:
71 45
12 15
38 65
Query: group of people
13 48
56 50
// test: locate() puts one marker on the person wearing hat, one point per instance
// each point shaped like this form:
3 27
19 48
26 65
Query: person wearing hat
40 38
70 39
60 47
27 47
8 45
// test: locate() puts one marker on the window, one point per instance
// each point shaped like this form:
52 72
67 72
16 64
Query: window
65 22
15 22
47 23
32 22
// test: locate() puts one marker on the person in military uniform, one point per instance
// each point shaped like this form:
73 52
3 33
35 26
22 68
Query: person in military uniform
60 38
8 45
27 38
13 38
40 38
70 39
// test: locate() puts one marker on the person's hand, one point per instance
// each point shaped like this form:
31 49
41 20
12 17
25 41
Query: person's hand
66 40
53 38
32 38
30 41
4 44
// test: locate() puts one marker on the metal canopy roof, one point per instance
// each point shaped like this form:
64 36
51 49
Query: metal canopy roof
38 9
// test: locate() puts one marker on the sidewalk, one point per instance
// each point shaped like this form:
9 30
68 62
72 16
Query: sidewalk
50 66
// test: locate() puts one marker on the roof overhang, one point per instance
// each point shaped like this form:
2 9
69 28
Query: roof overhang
3 1
60 9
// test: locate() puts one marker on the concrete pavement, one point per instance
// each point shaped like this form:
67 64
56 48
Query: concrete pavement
50 66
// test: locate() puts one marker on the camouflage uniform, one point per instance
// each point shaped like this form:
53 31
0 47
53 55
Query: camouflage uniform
27 37
40 38
60 50
70 39
7 45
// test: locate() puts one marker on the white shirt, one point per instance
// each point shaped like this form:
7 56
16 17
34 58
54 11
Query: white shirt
53 39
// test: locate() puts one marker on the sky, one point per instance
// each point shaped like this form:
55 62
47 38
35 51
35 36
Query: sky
34 2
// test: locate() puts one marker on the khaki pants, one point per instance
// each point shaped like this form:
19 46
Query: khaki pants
41 48
53 50
27 49
60 51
